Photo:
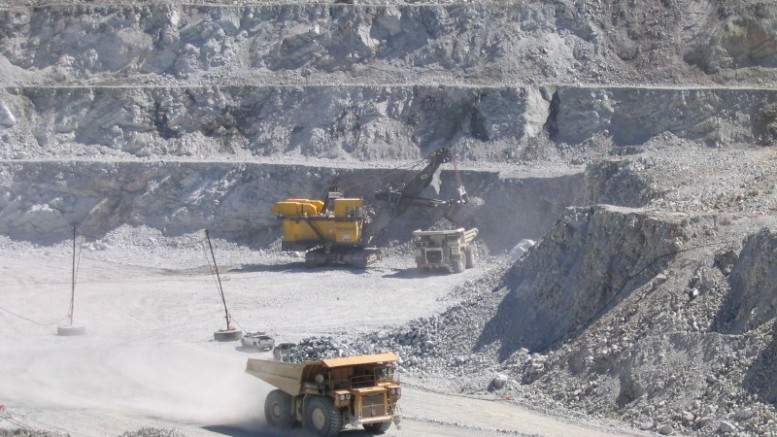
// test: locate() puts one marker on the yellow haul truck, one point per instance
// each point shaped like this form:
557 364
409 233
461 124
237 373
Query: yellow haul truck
451 249
329 394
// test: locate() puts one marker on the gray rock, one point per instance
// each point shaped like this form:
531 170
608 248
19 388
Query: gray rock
727 427
6 117
498 383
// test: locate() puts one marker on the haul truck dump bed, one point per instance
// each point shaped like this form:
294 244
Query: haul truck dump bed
329 394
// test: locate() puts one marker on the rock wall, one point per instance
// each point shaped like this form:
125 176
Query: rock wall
751 303
761 376
311 41
384 81
367 122
562 40
590 260
359 122
41 201
732 36
632 116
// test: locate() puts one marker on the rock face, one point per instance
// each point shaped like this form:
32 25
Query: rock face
751 304
367 122
383 81
385 42
750 308
43 200
632 116
496 41
592 259
6 117
737 37
341 122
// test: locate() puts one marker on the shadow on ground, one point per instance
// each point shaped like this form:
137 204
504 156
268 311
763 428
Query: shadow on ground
761 378
234 431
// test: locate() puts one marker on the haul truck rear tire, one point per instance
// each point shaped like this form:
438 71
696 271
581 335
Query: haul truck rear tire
377 428
472 256
322 418
278 410
459 264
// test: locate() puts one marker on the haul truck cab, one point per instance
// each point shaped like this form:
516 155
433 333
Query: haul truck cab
326 395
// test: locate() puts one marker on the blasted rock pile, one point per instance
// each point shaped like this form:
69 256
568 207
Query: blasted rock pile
439 344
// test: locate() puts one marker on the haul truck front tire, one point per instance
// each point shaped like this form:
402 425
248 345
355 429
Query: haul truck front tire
278 410
322 418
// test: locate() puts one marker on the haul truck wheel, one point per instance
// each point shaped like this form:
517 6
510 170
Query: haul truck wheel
377 428
472 256
277 409
459 265
322 418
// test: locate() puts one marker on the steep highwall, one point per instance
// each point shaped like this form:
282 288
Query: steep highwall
631 116
384 81
41 201
591 259
559 41
752 303
690 350
389 43
179 41
346 122
495 124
